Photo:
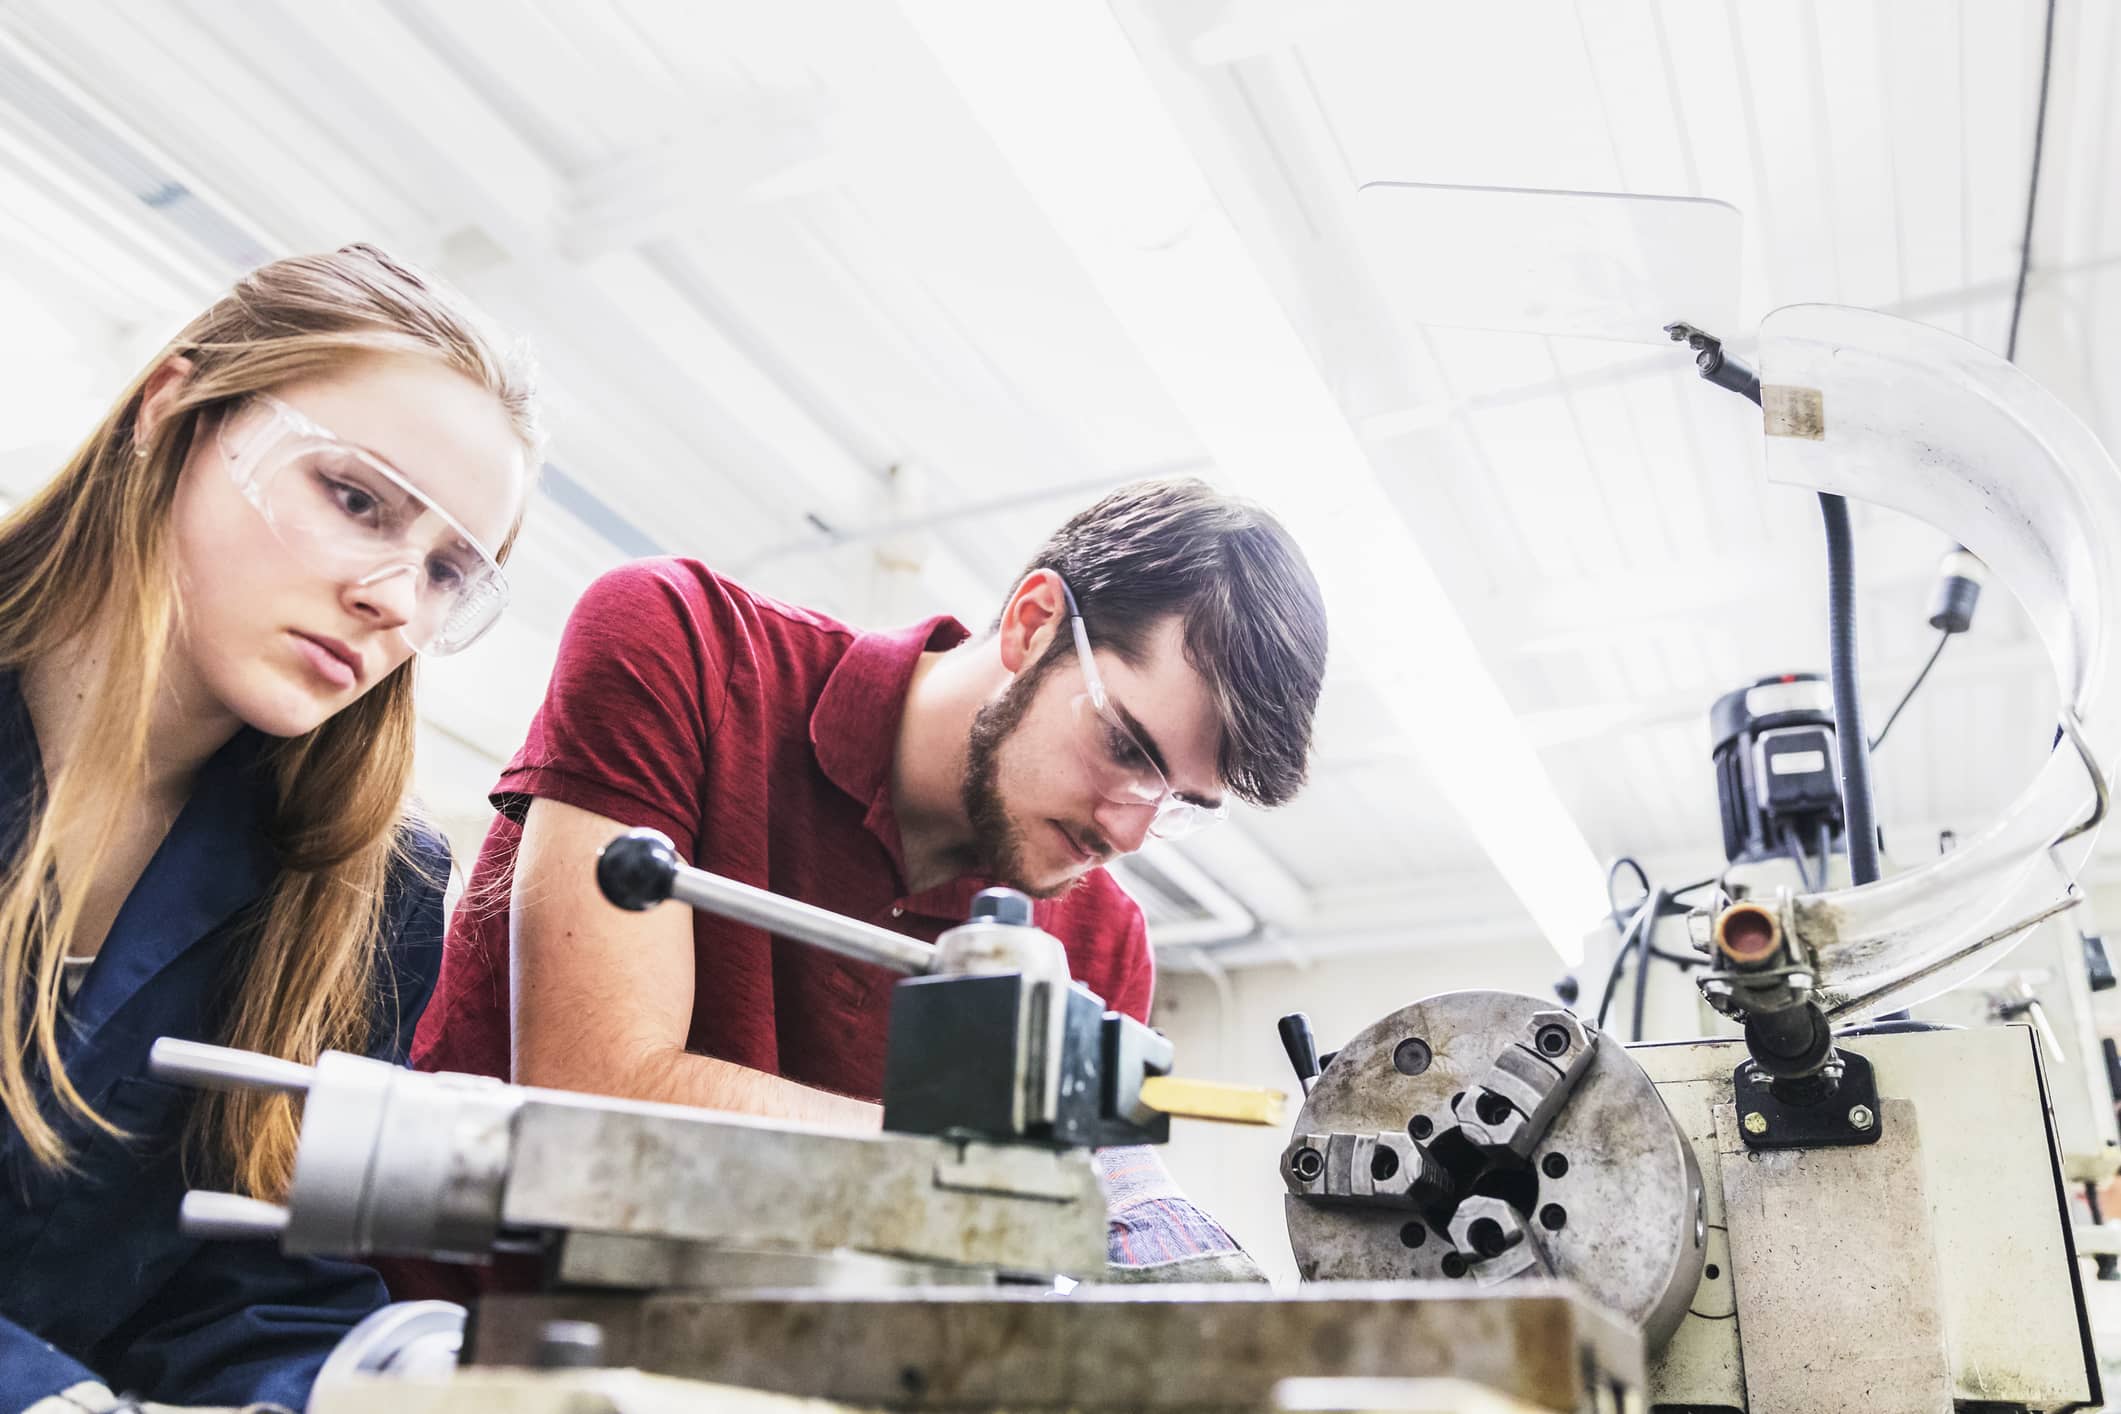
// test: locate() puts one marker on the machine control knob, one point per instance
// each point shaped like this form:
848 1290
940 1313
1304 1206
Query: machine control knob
1301 1047
638 870
1001 906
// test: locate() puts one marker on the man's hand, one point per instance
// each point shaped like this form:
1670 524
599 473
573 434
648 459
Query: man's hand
601 999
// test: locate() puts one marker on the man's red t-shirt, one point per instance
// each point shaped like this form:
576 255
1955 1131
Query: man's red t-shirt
759 737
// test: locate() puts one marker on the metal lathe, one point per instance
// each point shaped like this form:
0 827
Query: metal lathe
1494 1205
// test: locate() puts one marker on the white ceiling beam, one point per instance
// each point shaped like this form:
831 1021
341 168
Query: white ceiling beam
779 150
1585 613
371 72
1251 29
1611 721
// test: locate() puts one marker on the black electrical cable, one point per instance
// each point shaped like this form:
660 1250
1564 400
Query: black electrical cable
1862 829
1894 715
1642 963
1684 889
1639 924
1635 936
1794 848
2032 185
1612 874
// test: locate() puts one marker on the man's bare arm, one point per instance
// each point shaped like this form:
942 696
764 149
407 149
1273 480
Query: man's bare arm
601 999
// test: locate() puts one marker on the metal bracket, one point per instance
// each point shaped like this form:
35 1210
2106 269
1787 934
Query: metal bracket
1708 349
1846 1112
2074 730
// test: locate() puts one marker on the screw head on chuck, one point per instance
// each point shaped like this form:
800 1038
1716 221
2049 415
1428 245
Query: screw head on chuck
1001 906
637 870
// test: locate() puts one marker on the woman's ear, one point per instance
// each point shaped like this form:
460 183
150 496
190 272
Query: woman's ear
164 385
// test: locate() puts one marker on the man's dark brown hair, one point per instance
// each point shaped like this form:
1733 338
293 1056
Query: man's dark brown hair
1255 624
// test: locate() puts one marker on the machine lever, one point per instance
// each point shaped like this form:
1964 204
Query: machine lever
230 1217
641 869
205 1067
1301 1047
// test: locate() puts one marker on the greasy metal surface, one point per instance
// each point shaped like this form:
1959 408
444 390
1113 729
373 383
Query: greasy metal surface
623 1261
1836 1274
2008 1287
692 1175
557 1392
1417 1396
1699 1365
1629 1194
1101 1348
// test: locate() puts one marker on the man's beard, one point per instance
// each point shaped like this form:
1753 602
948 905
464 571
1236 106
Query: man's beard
997 844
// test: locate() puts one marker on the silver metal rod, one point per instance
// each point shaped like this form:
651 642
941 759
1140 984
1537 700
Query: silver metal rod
1959 955
230 1217
205 1067
806 923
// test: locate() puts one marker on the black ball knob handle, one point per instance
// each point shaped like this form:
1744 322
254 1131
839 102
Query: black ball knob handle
1301 1046
638 870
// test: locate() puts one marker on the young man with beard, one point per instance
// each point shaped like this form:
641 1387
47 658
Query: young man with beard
1163 651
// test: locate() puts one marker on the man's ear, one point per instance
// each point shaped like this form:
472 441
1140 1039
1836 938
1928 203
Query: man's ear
1034 614
160 394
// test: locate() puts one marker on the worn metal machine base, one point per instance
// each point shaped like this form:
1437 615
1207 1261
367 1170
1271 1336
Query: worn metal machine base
1130 1348
2005 1278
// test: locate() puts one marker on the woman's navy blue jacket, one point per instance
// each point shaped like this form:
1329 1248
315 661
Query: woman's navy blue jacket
96 1282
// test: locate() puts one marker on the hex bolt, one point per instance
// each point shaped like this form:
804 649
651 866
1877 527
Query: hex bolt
1308 1164
1553 1040
1861 1118
1755 1122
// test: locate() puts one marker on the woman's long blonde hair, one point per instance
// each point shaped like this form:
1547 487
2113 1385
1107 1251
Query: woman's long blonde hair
91 551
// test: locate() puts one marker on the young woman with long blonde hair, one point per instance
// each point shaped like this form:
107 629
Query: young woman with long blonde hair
208 626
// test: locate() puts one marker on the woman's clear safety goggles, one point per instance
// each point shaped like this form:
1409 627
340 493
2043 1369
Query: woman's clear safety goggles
1125 771
351 516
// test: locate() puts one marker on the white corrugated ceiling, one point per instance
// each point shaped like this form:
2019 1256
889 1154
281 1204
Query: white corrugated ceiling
800 318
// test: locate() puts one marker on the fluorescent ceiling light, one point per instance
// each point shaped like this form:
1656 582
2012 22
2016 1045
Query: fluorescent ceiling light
1063 95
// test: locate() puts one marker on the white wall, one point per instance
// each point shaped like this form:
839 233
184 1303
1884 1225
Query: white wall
1227 1033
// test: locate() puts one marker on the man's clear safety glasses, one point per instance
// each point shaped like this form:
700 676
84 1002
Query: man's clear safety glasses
1124 769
